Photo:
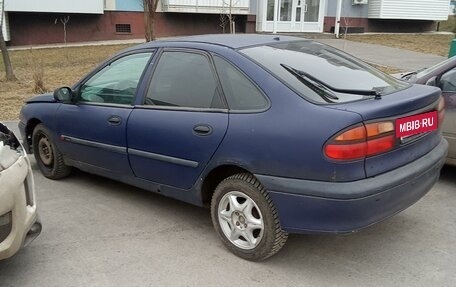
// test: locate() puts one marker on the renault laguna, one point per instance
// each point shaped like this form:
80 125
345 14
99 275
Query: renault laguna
274 134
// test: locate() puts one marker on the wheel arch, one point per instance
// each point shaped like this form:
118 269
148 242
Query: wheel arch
30 126
214 177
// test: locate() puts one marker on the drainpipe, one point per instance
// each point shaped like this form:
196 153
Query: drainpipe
338 13
276 12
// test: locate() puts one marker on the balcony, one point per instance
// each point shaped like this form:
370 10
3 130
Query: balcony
55 6
238 7
434 10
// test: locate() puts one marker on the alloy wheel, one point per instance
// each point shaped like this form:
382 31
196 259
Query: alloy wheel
241 220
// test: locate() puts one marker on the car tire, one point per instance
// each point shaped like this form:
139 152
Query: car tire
245 218
47 155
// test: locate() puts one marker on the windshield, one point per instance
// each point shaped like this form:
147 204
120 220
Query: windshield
344 74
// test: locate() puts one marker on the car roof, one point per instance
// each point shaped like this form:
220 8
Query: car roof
234 41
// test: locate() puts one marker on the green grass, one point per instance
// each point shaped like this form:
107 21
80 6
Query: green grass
449 25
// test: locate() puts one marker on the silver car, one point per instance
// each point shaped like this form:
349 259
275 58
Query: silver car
442 75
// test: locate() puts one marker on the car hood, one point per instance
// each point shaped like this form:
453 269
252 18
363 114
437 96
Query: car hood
44 98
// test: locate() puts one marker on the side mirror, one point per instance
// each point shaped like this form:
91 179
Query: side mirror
432 82
64 95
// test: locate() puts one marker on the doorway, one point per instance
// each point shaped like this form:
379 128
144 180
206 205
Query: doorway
295 15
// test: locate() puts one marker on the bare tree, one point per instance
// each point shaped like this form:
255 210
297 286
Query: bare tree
347 23
6 59
223 20
347 19
150 8
64 22
228 13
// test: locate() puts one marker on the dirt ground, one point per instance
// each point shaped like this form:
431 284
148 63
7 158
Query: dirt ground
429 43
58 67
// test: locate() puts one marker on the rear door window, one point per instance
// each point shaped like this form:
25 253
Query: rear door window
185 80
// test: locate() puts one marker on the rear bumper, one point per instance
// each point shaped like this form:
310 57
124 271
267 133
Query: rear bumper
17 206
319 207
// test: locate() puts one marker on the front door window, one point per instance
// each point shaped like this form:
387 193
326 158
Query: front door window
117 82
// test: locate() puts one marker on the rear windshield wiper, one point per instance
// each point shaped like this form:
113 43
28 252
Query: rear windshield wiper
408 75
376 92
312 83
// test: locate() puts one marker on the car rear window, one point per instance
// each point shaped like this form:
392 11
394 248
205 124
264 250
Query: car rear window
321 73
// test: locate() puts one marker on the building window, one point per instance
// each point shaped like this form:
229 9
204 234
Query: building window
123 28
270 14
285 10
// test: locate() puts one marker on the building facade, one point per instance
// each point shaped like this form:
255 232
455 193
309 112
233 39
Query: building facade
356 15
31 22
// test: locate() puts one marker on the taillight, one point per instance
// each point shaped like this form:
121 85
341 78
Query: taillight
362 141
441 110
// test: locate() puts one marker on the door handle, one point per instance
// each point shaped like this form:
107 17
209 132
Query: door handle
114 120
202 130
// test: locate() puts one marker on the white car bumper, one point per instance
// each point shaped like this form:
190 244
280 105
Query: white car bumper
19 223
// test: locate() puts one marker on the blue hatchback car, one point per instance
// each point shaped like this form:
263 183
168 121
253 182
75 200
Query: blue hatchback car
275 134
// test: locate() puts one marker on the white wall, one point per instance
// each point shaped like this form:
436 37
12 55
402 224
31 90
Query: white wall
57 6
5 27
348 9
110 5
435 10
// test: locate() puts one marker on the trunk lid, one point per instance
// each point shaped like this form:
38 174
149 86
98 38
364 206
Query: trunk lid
398 104
414 100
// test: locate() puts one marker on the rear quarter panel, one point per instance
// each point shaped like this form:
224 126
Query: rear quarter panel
287 139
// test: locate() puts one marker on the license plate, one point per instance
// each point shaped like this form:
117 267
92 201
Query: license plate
416 124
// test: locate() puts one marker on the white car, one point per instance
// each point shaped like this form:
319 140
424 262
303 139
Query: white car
19 222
